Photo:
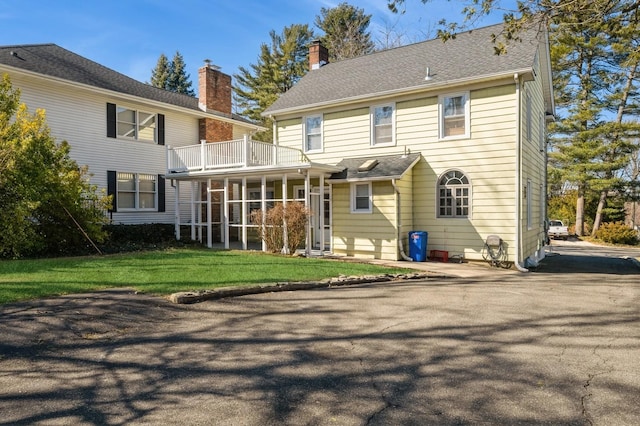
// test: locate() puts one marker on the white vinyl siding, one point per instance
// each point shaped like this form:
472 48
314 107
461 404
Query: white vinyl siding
90 146
367 236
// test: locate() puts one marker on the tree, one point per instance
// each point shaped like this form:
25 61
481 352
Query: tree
528 13
160 74
172 76
179 81
48 205
280 65
345 30
590 148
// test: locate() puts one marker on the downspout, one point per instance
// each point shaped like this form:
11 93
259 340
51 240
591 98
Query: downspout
399 223
518 177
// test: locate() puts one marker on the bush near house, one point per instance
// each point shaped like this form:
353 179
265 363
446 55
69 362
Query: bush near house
617 233
271 226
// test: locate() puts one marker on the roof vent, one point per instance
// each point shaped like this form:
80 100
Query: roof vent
428 76
367 165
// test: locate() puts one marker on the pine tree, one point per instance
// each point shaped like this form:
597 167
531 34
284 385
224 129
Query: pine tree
280 65
589 148
160 74
179 81
172 75
345 30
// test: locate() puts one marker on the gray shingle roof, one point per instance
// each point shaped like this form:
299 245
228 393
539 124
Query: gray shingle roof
469 56
387 167
55 61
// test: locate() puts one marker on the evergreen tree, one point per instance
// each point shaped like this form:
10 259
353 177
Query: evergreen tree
48 205
589 148
281 63
160 74
179 81
172 75
345 30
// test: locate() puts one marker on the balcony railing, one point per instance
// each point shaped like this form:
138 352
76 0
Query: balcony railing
231 154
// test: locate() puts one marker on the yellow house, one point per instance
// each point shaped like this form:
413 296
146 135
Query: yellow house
447 138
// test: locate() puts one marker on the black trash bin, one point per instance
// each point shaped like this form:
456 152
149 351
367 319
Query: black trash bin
418 245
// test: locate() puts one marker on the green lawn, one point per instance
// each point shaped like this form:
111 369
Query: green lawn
165 272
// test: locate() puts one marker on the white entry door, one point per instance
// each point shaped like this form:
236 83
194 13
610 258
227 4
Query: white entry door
318 209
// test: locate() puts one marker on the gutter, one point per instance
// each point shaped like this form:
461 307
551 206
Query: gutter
399 223
518 177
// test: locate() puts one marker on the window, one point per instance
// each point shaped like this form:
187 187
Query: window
255 201
543 133
454 116
383 125
136 191
123 122
361 198
529 195
313 133
528 119
454 193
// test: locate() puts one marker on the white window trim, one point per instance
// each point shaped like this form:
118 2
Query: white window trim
137 194
353 198
304 134
372 125
529 195
469 216
529 117
136 137
467 116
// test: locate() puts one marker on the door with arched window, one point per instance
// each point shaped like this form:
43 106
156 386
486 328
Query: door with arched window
454 195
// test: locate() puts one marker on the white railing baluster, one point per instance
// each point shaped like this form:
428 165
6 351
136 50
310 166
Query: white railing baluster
231 154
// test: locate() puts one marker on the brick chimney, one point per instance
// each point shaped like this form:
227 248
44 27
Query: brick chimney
214 88
318 55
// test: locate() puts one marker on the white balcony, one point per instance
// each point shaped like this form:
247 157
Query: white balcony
236 154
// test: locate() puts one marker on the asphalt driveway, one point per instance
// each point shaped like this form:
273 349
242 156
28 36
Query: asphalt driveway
547 347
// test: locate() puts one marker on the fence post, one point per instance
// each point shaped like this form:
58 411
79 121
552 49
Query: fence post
203 154
247 150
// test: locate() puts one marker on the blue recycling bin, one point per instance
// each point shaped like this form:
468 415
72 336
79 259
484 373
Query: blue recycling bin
418 245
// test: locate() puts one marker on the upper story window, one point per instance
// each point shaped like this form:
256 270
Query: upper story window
361 198
529 116
454 115
123 122
312 133
454 195
136 124
383 125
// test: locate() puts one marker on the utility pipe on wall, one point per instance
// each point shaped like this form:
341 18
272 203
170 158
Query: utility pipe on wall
518 242
399 223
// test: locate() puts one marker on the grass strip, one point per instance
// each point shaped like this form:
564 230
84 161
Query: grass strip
164 272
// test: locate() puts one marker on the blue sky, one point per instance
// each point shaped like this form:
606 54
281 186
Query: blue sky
129 35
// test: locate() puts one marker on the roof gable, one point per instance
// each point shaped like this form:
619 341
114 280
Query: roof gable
468 57
54 61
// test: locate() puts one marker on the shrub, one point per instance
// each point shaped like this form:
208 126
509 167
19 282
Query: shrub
271 230
617 233
148 236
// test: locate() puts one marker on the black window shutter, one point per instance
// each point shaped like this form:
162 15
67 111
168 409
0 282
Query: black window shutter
160 129
111 120
111 189
161 197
